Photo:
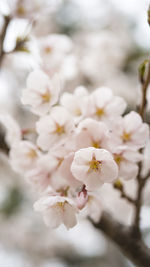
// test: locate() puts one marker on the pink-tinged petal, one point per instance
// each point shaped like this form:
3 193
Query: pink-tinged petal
79 171
128 170
116 107
132 121
37 80
44 141
69 217
30 98
83 156
102 96
141 135
103 154
60 115
94 207
82 140
66 173
131 155
53 217
93 181
45 125
80 91
109 171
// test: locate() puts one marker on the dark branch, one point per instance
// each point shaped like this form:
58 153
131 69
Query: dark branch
132 246
2 37
119 186
144 92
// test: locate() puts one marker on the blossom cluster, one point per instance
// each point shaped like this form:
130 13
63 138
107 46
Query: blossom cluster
83 140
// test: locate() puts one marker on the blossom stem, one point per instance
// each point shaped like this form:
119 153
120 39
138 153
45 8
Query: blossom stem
144 92
123 194
138 202
2 37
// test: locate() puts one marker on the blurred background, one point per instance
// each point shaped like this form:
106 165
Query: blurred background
106 41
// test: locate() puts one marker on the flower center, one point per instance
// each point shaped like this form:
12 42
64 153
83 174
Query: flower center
96 144
59 129
48 49
118 158
46 97
32 154
61 204
20 10
95 165
126 137
100 112
78 112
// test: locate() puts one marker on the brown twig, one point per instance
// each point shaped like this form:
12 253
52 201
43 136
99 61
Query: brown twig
141 181
119 186
131 246
2 37
144 91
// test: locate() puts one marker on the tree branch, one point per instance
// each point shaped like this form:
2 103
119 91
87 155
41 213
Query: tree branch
144 91
2 37
132 246
119 186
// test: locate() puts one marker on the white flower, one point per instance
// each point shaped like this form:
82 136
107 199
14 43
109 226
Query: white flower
102 104
40 175
41 92
57 210
75 102
94 167
53 129
91 133
127 162
130 131
23 156
56 54
93 207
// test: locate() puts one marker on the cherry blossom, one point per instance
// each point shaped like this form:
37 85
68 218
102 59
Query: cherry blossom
40 174
57 210
91 133
102 104
93 207
41 92
54 128
126 160
75 102
94 167
56 54
23 156
130 131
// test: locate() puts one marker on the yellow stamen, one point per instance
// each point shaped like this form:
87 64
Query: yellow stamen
59 129
48 49
95 164
118 184
46 97
96 144
20 10
32 154
61 204
78 112
100 112
126 137
118 158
